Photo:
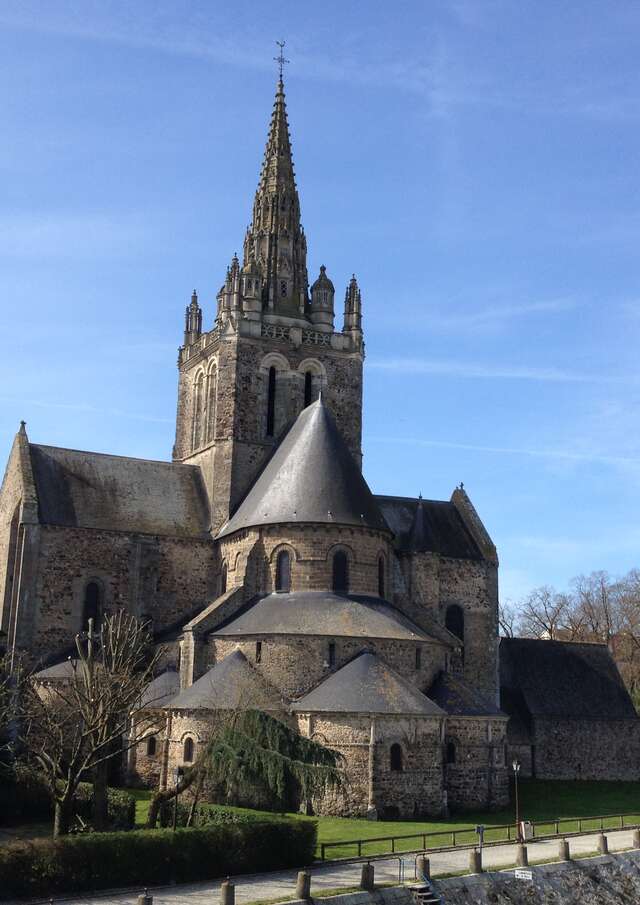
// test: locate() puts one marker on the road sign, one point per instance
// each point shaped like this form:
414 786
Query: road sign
523 874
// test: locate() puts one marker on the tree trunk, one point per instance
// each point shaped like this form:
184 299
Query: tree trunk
61 817
100 802
161 796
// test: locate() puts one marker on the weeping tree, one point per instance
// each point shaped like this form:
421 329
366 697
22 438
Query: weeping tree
251 754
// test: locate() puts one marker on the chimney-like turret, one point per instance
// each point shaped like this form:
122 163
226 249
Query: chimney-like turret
322 295
193 321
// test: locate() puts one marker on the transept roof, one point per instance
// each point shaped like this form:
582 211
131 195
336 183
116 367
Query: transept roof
231 684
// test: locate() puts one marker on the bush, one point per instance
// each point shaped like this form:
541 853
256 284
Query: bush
150 857
210 814
25 797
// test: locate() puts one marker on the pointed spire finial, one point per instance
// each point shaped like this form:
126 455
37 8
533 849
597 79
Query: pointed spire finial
280 60
23 427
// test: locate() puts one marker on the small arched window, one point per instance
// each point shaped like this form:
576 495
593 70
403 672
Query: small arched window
187 751
151 746
92 606
450 753
395 758
340 573
381 584
223 579
454 621
271 402
418 658
308 388
283 572
332 654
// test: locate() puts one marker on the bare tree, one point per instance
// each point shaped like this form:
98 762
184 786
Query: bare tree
596 600
507 620
544 613
71 729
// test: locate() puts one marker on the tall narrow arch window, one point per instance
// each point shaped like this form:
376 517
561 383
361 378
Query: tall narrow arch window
187 750
151 746
340 573
450 753
283 572
271 402
332 654
454 621
258 651
395 758
308 388
381 584
199 404
92 606
418 658
223 579
211 404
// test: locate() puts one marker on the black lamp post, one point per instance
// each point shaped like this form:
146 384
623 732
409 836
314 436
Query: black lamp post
516 769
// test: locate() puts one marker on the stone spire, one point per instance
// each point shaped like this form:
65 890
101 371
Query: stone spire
353 309
193 320
275 246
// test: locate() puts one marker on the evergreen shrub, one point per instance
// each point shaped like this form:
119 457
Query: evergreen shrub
76 864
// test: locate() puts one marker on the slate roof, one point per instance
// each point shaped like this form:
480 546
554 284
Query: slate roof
459 699
311 477
115 493
428 526
231 684
557 679
58 671
161 689
367 685
322 613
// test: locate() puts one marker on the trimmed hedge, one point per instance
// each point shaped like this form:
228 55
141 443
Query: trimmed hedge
208 814
24 797
153 857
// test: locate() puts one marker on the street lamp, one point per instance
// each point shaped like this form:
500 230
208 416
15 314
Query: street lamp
516 769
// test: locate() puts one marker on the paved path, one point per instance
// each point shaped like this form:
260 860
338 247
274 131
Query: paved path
333 876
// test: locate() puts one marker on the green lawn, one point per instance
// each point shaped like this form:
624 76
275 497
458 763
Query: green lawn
539 801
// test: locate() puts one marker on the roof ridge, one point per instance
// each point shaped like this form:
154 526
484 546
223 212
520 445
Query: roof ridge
90 452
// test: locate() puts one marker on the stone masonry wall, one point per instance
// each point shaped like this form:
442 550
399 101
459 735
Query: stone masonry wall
295 665
586 749
156 577
478 776
311 547
232 453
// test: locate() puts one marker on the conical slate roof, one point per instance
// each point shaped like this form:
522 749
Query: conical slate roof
312 477
367 685
232 684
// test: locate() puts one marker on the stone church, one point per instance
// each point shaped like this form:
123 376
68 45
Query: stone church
267 569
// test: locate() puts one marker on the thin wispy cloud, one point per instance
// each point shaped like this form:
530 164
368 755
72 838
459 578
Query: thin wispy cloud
472 371
563 455
87 408
491 317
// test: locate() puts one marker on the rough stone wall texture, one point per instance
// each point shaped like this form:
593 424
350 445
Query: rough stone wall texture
586 749
311 563
156 577
295 665
478 776
232 451
414 790
431 583
607 880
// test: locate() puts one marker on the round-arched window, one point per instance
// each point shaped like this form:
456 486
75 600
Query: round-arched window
151 746
283 572
395 757
340 583
92 606
187 751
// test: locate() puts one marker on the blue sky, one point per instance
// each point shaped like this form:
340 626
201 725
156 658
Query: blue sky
475 163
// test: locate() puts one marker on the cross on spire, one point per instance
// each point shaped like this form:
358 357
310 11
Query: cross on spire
280 60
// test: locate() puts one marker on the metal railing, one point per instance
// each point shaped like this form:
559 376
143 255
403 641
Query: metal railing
465 836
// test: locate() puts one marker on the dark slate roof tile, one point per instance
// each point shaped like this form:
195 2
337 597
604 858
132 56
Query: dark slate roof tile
459 699
428 526
115 493
322 613
562 680
231 684
311 477
367 685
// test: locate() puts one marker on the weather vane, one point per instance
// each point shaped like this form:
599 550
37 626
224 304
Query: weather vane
280 60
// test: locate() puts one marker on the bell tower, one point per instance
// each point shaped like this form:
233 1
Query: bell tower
273 346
